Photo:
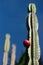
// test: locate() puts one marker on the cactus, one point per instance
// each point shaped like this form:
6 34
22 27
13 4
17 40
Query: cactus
34 49
13 55
33 55
6 49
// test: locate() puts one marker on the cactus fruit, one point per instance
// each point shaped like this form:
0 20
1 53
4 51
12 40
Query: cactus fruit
26 43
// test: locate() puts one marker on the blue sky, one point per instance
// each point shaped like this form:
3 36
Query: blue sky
13 15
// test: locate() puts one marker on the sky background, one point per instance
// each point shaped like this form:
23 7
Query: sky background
13 15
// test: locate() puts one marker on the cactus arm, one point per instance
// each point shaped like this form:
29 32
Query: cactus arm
34 50
13 55
7 43
37 37
6 49
29 49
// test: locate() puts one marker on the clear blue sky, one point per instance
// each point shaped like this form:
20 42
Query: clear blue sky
13 15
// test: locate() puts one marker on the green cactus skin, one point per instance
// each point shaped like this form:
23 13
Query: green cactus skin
34 49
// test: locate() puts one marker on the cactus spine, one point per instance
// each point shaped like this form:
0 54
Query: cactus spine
34 49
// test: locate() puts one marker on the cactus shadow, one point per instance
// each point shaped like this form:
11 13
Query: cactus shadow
28 29
27 56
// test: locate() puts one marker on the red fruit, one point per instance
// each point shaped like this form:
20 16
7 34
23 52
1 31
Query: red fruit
26 43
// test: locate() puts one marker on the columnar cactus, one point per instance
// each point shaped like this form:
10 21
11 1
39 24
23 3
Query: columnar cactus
13 55
6 49
34 49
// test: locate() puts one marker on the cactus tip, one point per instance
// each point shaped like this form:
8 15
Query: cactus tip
8 36
32 7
